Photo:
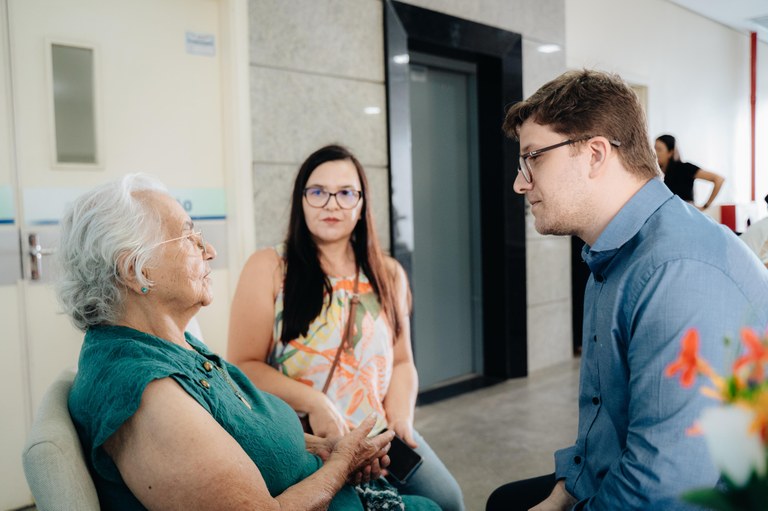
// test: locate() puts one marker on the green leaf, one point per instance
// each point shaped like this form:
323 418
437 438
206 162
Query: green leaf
709 498
370 302
286 355
751 497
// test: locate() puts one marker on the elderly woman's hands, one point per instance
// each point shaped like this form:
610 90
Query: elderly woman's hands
323 447
366 457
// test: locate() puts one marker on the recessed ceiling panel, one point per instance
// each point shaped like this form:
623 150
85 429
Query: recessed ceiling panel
742 15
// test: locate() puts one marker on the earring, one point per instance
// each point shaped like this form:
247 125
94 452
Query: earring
144 290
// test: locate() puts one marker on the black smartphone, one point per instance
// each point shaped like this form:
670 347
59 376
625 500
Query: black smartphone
404 461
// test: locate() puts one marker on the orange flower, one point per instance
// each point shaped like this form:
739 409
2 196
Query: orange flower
757 354
349 285
688 361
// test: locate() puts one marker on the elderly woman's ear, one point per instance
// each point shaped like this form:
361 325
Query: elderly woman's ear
127 273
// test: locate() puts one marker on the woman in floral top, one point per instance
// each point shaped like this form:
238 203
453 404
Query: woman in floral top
292 306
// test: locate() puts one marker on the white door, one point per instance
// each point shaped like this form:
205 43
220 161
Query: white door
91 90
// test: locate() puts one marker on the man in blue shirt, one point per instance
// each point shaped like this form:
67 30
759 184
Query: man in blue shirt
658 267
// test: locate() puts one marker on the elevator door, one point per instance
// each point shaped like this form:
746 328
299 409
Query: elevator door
446 273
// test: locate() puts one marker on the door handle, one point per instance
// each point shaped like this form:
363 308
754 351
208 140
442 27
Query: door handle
36 253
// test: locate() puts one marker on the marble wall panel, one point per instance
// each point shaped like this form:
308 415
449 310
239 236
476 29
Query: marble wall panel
297 113
539 68
549 269
272 187
378 181
330 37
549 334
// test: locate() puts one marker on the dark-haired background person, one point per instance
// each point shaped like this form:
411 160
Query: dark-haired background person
679 176
292 306
164 422
658 268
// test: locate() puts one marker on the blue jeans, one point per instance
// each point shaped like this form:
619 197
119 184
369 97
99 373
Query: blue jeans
432 480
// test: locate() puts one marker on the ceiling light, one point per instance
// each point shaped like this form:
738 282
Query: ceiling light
549 48
372 110
403 58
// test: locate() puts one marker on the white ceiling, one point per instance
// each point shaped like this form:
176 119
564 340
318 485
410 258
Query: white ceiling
743 15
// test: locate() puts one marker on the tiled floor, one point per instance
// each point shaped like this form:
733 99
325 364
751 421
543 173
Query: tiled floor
503 433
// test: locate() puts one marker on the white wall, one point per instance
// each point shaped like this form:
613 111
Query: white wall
697 73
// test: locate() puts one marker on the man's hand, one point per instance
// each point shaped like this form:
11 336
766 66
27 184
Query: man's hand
558 500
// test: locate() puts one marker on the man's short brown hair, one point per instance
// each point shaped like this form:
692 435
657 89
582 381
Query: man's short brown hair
590 103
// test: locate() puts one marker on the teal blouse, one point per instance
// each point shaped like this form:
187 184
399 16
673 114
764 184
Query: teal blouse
116 364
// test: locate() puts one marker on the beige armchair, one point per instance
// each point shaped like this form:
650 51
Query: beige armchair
53 458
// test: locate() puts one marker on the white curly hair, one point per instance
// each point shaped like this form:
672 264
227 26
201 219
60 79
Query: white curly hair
105 233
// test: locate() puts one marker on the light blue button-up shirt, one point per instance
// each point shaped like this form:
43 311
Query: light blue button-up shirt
659 268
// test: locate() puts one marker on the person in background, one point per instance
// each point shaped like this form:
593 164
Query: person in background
658 268
164 422
290 325
756 238
679 175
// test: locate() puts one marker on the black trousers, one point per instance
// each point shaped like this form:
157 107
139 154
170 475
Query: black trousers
521 495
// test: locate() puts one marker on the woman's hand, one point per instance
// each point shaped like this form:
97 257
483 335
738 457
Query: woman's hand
322 447
404 429
325 420
365 457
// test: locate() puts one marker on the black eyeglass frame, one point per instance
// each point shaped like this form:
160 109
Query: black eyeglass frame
359 194
525 169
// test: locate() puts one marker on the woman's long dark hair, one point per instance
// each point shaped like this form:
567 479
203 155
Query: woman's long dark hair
305 282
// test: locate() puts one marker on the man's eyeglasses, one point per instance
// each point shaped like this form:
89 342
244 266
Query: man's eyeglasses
195 236
525 165
318 197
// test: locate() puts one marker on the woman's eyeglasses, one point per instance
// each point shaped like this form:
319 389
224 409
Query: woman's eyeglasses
194 236
319 197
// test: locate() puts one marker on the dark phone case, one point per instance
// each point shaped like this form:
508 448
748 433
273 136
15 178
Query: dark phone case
404 461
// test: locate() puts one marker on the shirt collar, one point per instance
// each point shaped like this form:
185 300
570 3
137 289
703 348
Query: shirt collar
626 224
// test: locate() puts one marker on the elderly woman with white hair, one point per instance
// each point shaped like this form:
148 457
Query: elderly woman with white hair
164 422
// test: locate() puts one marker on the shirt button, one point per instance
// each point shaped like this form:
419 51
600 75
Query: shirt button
599 278
577 459
205 384
207 366
595 400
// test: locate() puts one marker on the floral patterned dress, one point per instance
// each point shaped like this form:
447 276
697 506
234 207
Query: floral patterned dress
364 371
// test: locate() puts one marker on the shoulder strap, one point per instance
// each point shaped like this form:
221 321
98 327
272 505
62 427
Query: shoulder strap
283 267
347 332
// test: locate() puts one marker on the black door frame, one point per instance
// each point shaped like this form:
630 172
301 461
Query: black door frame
498 56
